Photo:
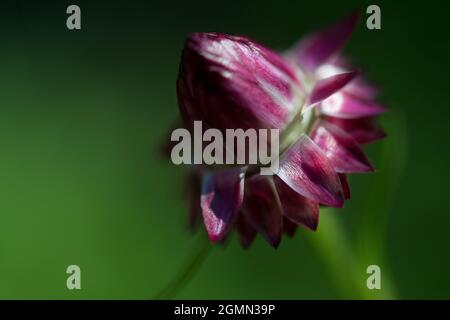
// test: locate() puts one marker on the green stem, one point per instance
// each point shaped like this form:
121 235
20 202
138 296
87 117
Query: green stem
201 250
335 254
374 215
332 249
346 263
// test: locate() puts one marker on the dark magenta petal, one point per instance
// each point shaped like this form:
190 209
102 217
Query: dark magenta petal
221 199
317 48
347 106
297 208
263 209
327 87
245 231
345 185
306 169
289 227
363 130
341 149
231 82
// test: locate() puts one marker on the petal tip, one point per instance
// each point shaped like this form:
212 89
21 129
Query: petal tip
214 238
275 243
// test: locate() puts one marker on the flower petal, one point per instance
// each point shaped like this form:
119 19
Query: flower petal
246 232
305 168
341 149
221 199
358 87
327 87
345 185
363 130
362 89
289 227
297 208
262 207
231 82
317 48
348 106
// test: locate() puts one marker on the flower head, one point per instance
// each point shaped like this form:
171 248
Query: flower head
324 110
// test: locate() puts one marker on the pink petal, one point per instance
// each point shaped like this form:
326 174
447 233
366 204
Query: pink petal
347 106
306 169
231 82
317 48
341 149
297 208
326 87
363 130
362 89
263 209
221 199
358 87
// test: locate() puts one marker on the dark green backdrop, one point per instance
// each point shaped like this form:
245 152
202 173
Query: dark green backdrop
81 182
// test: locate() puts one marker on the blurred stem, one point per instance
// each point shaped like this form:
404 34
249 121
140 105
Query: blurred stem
201 250
334 253
346 263
342 267
374 215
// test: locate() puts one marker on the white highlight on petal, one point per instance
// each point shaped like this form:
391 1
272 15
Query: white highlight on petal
332 104
328 70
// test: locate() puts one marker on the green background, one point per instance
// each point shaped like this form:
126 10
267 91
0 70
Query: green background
82 114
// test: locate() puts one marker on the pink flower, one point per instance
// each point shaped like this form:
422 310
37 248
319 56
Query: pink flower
311 94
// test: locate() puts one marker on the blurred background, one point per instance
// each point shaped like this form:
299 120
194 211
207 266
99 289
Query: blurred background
82 115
